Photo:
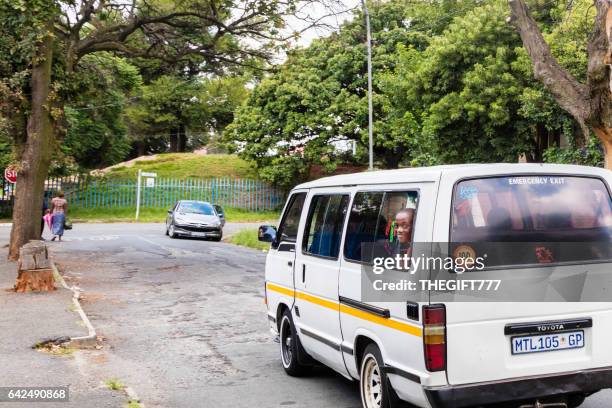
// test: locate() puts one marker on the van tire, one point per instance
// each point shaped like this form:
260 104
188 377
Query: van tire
372 376
290 346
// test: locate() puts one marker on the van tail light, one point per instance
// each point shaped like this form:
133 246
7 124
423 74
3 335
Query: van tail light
265 294
434 337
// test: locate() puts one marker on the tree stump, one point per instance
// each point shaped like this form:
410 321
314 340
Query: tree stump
34 269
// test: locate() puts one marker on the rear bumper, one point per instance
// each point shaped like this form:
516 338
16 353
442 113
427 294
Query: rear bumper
528 388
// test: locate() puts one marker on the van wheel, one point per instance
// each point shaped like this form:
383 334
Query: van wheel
374 386
289 346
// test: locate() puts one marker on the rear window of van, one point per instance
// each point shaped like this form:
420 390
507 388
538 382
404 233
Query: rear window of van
532 208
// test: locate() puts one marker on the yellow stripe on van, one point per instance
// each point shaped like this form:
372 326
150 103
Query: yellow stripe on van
280 289
394 324
316 300
360 314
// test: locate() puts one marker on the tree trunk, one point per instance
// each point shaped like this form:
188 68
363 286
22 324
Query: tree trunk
605 135
182 139
174 140
34 269
36 154
138 148
392 158
591 104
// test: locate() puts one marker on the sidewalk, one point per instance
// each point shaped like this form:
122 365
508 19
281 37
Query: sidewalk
28 318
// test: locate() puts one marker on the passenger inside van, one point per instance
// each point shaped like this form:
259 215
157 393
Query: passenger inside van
398 240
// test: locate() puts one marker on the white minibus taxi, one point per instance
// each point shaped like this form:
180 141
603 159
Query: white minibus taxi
440 354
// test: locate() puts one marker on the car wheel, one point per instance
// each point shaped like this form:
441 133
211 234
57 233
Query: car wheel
167 229
172 232
219 238
374 386
289 346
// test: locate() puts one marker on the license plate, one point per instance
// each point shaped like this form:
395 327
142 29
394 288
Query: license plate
547 342
198 234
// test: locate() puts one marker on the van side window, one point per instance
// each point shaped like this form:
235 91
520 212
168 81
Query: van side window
376 218
323 231
288 229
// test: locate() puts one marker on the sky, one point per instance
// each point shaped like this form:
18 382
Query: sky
342 10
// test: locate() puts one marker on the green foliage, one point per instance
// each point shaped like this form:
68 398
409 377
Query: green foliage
96 131
475 93
589 155
6 150
100 52
114 384
317 100
452 84
199 107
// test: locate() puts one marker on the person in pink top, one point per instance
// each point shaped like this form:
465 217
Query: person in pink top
59 208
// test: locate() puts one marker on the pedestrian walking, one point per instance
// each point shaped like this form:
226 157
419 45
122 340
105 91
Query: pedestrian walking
59 209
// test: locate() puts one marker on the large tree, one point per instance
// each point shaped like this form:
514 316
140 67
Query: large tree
177 114
42 43
588 102
96 131
317 100
471 92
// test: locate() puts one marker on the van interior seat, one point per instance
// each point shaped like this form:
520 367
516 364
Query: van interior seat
499 217
325 243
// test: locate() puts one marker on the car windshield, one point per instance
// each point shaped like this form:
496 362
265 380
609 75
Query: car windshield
193 207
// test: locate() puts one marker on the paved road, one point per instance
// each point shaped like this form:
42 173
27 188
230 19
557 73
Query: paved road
184 322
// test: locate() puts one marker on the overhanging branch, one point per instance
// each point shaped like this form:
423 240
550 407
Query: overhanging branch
568 92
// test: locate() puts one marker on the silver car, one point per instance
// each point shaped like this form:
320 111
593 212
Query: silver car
196 219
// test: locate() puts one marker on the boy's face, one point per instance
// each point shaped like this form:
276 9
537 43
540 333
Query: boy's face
403 221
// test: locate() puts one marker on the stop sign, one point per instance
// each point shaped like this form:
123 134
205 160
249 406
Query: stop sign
10 175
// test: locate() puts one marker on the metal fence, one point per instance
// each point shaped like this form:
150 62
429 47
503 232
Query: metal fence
91 192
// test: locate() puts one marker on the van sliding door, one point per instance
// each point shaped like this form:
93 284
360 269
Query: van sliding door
316 278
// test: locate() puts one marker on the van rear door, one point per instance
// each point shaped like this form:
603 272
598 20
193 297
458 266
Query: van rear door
488 341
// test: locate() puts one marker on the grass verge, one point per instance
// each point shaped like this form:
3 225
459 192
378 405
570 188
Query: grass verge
159 215
185 165
248 238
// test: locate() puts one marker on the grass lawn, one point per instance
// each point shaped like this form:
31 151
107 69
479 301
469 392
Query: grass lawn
185 165
159 215
248 238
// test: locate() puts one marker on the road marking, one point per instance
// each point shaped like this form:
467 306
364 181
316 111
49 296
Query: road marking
176 252
92 238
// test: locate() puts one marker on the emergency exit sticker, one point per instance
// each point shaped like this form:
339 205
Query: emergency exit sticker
536 180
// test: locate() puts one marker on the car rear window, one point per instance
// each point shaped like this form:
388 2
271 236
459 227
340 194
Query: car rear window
540 219
531 208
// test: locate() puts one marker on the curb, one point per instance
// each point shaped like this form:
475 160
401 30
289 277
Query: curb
90 339
82 341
